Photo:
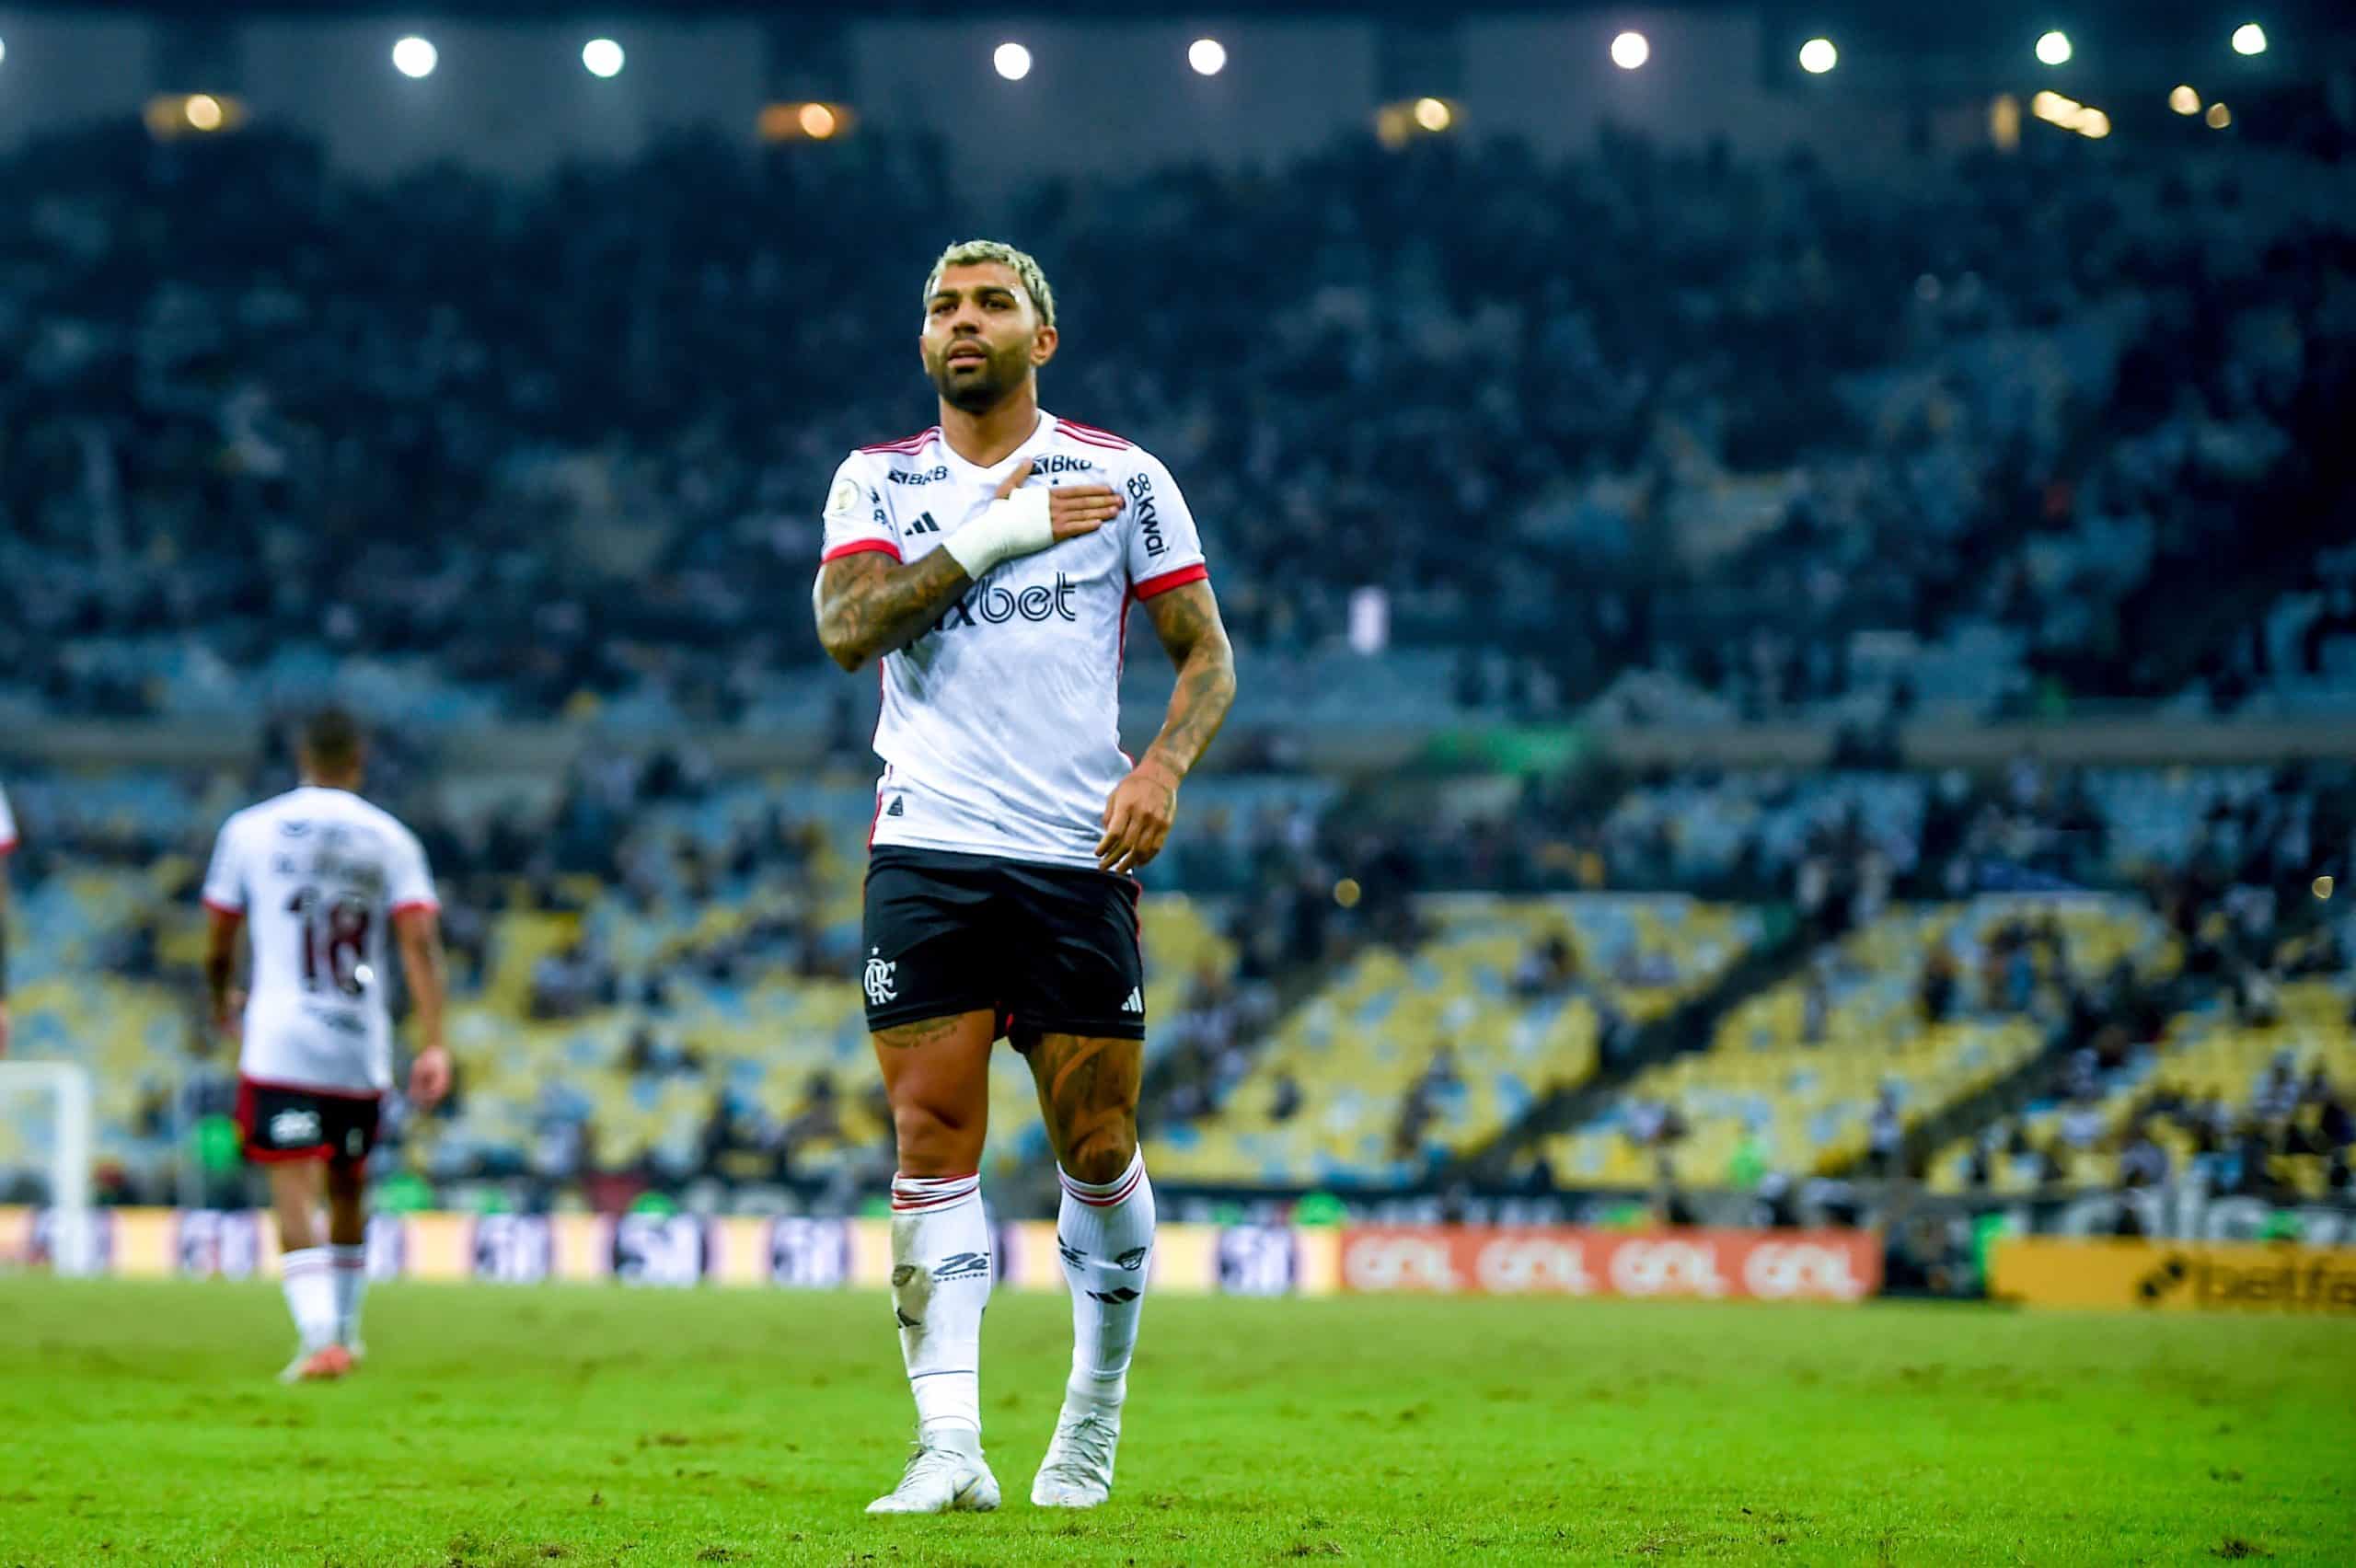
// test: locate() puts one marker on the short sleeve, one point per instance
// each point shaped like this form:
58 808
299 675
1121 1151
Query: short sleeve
225 878
855 518
8 826
1165 550
412 885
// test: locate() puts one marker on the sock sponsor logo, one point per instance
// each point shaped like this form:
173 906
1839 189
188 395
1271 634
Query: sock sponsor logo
1116 1297
905 1320
1073 1256
962 1265
1134 1258
902 1273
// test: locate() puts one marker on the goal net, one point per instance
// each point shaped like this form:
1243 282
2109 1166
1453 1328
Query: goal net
45 1132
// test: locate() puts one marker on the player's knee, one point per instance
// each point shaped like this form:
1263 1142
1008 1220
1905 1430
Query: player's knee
935 1140
1102 1154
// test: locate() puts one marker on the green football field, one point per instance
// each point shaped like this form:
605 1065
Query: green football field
139 1423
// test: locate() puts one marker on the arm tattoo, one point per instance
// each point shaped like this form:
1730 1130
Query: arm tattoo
869 606
1187 620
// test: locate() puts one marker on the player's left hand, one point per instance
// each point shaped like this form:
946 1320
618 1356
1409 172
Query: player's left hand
428 1078
1138 816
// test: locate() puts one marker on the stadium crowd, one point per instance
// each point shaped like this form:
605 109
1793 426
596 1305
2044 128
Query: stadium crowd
1736 436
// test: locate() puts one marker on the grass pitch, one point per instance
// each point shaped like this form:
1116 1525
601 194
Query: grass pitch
139 1423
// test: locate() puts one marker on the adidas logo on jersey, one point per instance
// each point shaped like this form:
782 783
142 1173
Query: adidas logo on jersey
924 524
1136 1004
895 809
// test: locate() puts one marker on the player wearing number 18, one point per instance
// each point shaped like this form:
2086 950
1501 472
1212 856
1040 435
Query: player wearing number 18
318 875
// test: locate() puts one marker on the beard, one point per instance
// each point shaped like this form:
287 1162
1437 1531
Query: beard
983 388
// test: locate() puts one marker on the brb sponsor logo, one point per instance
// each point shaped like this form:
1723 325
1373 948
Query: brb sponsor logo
920 476
1148 514
1056 463
994 605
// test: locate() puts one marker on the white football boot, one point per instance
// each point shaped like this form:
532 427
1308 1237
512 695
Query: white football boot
941 1480
1078 1470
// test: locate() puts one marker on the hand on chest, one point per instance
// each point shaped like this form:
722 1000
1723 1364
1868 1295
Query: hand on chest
930 504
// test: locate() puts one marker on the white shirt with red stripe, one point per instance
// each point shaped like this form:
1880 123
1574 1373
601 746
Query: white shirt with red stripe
1000 728
8 826
317 874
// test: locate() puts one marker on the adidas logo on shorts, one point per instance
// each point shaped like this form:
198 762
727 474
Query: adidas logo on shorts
1136 1004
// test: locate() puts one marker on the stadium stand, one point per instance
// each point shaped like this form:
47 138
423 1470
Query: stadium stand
1923 467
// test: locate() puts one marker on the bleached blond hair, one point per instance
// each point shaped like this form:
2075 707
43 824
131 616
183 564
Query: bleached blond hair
980 252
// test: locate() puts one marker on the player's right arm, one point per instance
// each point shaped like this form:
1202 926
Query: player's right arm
869 602
417 927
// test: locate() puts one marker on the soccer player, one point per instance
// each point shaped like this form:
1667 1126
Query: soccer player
318 875
988 563
7 848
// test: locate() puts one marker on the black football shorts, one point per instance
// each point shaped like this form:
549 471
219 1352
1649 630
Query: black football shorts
280 1122
1045 950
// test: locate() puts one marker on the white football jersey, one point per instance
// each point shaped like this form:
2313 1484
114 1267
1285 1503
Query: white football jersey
317 874
8 826
1000 729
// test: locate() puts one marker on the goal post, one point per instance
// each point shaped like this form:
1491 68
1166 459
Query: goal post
64 1087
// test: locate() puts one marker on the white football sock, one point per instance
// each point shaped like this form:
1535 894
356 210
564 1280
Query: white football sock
940 1282
351 1285
310 1294
1106 1234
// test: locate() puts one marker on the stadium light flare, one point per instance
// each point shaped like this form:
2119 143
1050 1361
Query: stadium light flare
2053 48
1818 56
602 57
204 111
2056 109
4 49
2250 38
817 122
1012 60
2184 100
1631 50
1207 56
1432 114
2219 116
2323 887
415 57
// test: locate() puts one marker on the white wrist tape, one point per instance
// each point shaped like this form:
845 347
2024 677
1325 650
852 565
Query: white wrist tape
1015 526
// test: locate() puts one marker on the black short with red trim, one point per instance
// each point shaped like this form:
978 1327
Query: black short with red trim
1045 950
279 1122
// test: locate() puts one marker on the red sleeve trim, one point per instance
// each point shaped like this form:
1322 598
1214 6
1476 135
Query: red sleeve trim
860 547
7 845
1169 580
431 906
220 908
